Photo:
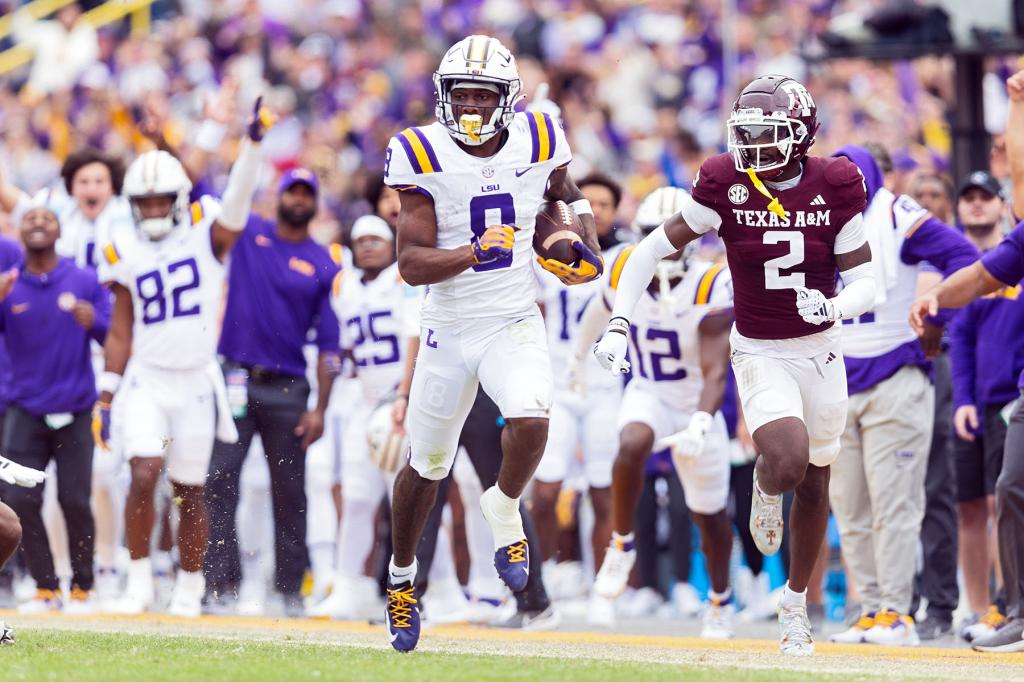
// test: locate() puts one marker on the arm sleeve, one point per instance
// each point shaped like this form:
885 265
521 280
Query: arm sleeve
1006 261
101 297
595 317
638 271
851 235
962 338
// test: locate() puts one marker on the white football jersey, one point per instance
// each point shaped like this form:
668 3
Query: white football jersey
471 194
177 288
81 238
886 326
563 309
377 319
664 344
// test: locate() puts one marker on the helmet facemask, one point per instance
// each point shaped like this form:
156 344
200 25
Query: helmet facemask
762 143
474 130
156 228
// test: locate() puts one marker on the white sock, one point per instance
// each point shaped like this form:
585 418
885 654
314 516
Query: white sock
719 596
191 582
402 574
161 562
140 576
321 559
791 598
506 523
765 496
501 503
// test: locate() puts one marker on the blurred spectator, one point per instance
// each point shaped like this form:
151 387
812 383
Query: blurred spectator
63 47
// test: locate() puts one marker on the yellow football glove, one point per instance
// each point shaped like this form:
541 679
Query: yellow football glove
589 266
496 242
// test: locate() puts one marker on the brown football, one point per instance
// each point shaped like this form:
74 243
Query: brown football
556 229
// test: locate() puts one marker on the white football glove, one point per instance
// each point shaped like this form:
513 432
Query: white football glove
688 444
611 349
16 474
814 308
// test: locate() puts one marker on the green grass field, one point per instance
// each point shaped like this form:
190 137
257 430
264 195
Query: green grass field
66 655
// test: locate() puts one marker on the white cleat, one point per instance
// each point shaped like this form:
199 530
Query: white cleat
686 600
6 634
795 631
44 601
718 621
81 602
855 633
445 602
614 574
766 520
187 599
601 611
892 629
252 597
351 598
129 605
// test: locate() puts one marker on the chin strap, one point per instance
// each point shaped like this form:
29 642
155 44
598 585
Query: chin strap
775 206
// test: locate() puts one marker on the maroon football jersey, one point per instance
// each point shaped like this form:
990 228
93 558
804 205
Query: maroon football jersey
769 255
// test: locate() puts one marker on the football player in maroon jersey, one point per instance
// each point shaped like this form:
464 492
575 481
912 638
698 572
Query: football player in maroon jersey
789 222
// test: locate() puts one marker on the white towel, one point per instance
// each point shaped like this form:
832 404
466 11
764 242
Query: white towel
226 431
881 234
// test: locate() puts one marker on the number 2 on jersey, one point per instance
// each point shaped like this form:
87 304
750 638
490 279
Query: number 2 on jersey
773 279
151 292
478 208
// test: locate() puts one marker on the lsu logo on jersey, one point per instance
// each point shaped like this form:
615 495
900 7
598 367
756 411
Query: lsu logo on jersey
303 267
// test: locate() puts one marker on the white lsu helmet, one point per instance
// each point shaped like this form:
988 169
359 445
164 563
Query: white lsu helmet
158 173
655 209
483 62
386 446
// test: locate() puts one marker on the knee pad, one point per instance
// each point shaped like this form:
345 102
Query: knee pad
431 461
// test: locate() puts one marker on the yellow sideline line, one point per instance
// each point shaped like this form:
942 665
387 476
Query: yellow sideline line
210 624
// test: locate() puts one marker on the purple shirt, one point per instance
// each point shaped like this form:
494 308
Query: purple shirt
277 292
53 368
11 256
1006 263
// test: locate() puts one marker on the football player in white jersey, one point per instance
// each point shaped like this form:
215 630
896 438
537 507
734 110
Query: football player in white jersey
378 314
680 351
10 527
168 286
470 187
584 412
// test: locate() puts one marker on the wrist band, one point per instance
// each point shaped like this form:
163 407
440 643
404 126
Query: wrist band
581 207
618 324
210 135
108 382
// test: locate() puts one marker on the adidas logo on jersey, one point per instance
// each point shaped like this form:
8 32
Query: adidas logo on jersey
818 201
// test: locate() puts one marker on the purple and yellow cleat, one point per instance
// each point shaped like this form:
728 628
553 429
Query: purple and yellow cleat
513 565
403 617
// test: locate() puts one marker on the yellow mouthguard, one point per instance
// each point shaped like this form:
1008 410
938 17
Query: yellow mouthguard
774 205
472 123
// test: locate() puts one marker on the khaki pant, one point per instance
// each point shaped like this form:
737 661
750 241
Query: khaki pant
877 488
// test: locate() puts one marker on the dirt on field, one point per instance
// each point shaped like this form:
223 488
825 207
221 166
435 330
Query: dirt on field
869 662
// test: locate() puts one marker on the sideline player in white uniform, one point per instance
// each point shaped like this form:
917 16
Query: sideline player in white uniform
471 184
583 412
790 222
168 287
378 314
680 347
10 528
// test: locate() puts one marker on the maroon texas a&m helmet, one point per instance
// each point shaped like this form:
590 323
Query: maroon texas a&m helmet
773 122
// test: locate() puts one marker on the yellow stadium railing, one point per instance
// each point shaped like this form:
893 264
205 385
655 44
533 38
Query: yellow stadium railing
107 13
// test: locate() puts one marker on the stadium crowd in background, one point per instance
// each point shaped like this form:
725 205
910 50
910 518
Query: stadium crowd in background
642 90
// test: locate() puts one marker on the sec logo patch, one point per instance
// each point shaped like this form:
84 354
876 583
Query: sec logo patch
738 194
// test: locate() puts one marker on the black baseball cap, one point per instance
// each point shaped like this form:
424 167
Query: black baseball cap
982 180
